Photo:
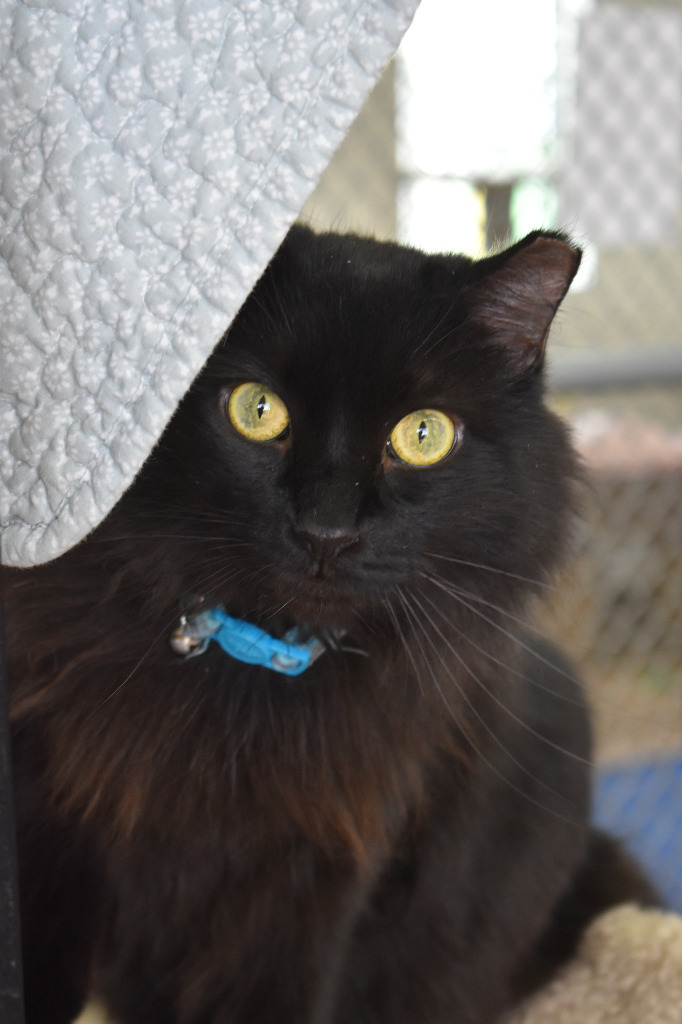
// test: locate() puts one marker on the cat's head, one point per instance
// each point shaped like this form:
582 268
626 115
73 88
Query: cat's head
373 421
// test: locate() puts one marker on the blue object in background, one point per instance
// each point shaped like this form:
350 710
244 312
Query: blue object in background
640 802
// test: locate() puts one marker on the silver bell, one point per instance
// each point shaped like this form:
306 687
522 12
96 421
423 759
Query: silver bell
186 641
183 644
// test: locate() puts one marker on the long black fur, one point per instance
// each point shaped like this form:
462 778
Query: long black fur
400 834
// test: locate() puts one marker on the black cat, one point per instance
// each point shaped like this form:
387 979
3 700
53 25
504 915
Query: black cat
284 751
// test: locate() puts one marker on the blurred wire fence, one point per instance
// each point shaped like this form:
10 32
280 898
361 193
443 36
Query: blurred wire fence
497 118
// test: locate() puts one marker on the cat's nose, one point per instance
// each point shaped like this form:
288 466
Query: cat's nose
325 542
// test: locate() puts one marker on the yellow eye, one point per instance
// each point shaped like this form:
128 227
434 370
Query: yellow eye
423 438
256 412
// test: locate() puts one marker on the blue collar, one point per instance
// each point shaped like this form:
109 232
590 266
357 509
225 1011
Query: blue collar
245 642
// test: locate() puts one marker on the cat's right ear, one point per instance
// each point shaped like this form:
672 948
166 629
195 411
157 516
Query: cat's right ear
516 294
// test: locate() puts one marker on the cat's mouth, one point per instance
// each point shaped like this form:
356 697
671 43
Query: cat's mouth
317 603
320 604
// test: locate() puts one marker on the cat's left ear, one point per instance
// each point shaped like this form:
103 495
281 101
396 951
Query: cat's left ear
517 295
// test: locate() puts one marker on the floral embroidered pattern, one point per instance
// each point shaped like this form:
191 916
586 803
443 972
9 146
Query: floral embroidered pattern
152 157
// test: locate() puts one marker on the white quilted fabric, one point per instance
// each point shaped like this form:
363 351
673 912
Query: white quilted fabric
152 155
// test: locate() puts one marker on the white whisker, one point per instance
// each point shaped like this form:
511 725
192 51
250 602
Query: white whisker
493 696
481 720
403 639
492 569
456 595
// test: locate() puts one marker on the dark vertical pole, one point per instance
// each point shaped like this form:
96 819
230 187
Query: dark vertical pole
11 994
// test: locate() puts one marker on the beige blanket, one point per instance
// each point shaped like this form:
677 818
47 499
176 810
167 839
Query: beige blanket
628 970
